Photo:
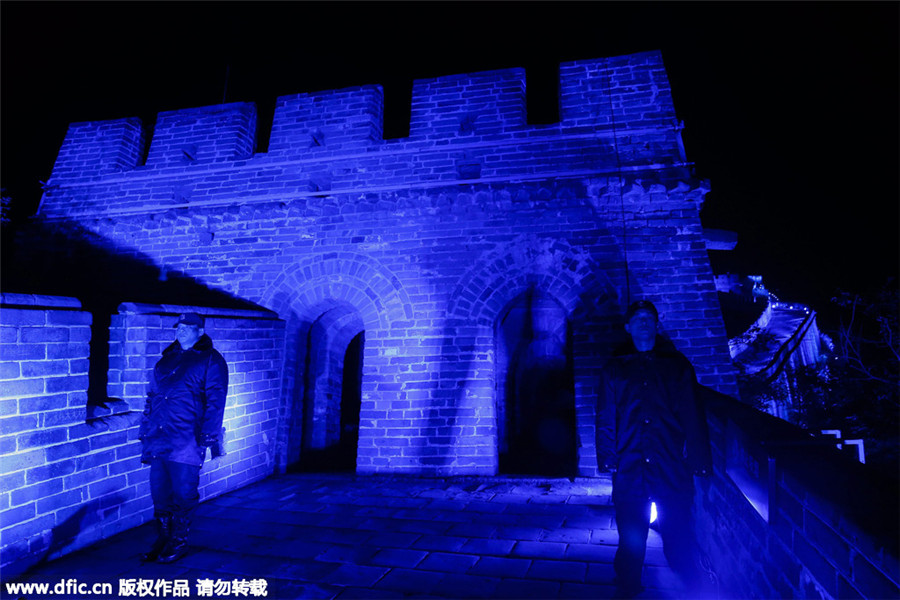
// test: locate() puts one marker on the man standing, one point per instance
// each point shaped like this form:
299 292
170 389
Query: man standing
652 436
182 418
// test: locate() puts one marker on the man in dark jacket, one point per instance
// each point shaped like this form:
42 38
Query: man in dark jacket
182 418
652 436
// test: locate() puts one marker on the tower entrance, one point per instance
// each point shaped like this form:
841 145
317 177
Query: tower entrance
331 392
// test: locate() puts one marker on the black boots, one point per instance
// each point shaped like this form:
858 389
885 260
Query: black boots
177 543
163 532
171 540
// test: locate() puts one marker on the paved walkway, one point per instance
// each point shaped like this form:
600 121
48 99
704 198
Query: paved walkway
347 536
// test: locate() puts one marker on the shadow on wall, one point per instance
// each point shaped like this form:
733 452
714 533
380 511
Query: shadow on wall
64 259
81 520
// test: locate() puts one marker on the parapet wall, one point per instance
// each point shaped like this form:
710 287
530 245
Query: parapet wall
70 474
615 114
788 515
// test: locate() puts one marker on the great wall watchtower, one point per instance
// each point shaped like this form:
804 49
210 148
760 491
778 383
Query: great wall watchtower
473 273
439 304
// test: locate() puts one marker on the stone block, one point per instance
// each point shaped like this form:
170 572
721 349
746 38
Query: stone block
50 471
445 562
21 387
18 424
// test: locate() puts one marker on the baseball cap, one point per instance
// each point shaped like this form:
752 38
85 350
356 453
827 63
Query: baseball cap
189 319
640 305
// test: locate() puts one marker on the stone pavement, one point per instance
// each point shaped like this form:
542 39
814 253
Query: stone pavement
347 536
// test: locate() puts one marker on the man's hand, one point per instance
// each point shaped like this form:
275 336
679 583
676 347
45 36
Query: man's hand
217 450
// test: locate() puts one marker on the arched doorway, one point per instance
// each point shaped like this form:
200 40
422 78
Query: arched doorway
331 392
535 388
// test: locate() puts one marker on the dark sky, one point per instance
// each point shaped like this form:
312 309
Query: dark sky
791 109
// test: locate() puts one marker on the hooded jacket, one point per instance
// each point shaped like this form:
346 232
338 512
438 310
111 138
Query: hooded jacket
185 403
651 426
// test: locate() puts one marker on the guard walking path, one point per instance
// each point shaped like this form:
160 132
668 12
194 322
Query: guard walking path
340 536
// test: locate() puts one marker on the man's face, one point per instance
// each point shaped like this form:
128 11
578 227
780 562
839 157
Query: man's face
642 326
187 335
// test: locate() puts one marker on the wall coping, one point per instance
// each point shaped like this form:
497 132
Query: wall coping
38 301
136 308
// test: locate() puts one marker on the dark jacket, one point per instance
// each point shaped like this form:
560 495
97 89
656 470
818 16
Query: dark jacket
651 427
185 403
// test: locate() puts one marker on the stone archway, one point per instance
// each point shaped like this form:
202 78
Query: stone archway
581 292
332 377
331 307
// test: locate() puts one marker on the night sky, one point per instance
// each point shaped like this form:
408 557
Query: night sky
791 109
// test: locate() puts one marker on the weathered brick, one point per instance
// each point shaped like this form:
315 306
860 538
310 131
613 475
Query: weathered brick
18 317
35 492
49 471
45 368
30 335
43 403
68 318
45 437
17 424
9 370
21 387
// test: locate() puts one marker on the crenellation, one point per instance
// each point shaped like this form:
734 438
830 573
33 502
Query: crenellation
209 134
96 148
345 120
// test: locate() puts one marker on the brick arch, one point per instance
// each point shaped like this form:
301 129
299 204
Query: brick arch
348 293
570 276
307 286
563 271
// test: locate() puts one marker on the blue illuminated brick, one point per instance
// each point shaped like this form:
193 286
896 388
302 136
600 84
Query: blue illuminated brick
9 370
10 425
22 387
50 471
34 492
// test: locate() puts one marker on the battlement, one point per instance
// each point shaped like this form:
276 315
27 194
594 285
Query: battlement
623 91
334 119
211 134
477 104
627 97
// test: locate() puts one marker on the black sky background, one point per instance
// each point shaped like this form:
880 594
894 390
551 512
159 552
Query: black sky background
791 109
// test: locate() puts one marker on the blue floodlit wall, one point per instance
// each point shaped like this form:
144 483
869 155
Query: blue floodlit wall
787 516
426 244
70 471
457 262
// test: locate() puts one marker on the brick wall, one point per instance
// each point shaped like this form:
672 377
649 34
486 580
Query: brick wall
819 524
424 243
58 474
72 476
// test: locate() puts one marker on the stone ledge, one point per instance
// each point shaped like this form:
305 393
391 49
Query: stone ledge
38 301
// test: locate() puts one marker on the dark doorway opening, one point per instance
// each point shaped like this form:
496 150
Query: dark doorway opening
351 397
332 385
535 392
